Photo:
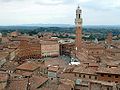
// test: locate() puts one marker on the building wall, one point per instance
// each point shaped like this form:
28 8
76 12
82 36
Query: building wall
52 74
66 49
86 76
99 86
95 52
95 86
111 78
35 72
43 70
3 81
50 50
113 54
81 87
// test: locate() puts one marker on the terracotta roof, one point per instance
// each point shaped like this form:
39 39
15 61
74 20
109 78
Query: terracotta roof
64 87
13 45
93 64
46 88
21 83
53 68
68 82
93 46
5 39
89 71
17 84
3 76
69 76
109 70
78 69
27 74
28 66
69 68
85 70
113 50
3 54
55 62
37 81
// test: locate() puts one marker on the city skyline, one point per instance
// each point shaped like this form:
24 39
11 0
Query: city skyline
58 58
17 12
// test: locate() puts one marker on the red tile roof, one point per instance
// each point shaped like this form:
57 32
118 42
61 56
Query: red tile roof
85 70
21 83
109 70
37 81
64 87
55 61
53 68
31 66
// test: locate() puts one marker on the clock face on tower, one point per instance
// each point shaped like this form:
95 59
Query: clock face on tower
78 22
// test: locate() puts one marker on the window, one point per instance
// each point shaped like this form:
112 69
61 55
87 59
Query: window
116 81
83 76
109 75
89 77
109 88
116 76
95 77
102 75
79 15
75 74
79 75
113 54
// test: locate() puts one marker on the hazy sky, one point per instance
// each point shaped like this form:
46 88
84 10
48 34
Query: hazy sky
59 11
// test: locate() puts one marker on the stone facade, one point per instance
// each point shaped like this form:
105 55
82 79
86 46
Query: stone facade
49 49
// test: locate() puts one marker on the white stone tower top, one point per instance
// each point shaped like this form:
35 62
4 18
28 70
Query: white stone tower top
78 19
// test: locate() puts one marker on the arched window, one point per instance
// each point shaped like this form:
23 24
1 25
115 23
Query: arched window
79 16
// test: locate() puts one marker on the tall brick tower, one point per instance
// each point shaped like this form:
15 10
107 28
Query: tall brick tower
78 23
109 38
